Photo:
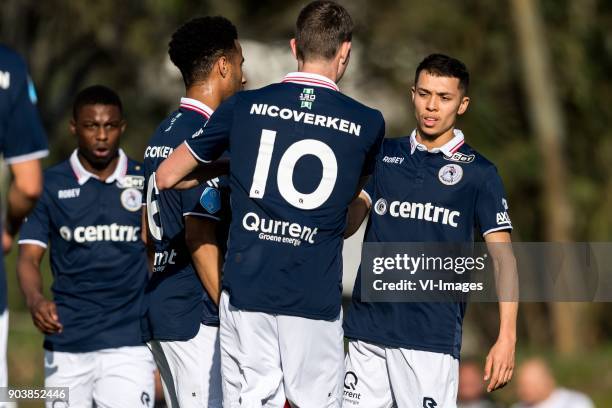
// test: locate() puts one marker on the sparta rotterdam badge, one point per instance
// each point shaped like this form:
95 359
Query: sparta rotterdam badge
450 174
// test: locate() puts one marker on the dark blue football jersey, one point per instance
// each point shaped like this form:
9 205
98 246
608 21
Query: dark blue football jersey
441 195
175 301
298 149
21 133
97 256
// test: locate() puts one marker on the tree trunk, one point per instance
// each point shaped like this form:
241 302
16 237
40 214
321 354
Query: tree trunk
547 123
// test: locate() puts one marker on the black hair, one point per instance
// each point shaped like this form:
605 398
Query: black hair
96 95
320 30
445 66
198 43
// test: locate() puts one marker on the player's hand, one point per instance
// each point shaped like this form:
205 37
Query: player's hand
499 365
7 241
44 316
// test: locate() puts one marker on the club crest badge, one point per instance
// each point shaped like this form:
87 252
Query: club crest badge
450 174
131 199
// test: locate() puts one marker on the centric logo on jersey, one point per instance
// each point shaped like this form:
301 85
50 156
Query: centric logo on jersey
65 233
450 174
131 199
381 206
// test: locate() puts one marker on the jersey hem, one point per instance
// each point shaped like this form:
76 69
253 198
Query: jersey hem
312 316
387 343
67 349
504 228
27 157
198 158
196 214
32 242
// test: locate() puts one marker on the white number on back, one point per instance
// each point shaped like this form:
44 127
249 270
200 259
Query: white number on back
286 167
153 209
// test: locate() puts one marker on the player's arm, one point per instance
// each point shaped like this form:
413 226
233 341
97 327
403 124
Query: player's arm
23 192
145 235
43 311
179 169
182 171
499 365
200 174
358 210
200 237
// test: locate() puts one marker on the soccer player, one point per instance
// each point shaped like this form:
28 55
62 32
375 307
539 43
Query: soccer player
187 230
23 143
299 150
407 354
89 214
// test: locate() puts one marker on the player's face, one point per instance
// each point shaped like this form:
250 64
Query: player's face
98 129
237 77
438 101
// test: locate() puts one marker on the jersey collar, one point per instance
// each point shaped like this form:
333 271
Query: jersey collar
196 106
307 78
82 175
448 149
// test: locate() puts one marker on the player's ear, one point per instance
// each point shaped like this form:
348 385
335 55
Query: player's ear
413 92
345 52
72 126
223 66
293 46
123 126
465 101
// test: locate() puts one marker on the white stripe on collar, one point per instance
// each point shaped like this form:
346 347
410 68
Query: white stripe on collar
448 149
196 106
307 78
82 175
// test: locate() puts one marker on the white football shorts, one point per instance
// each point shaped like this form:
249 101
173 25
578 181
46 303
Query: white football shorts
266 358
111 378
386 377
191 370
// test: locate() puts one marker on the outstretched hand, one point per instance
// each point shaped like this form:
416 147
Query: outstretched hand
499 365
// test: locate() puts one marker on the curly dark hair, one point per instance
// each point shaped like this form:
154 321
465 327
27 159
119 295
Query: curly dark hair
96 95
198 43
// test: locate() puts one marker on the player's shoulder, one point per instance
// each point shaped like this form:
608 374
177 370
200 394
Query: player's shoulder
11 59
289 88
360 106
59 170
180 124
134 167
59 176
394 146
469 156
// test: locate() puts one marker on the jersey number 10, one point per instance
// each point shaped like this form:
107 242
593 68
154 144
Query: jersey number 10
286 167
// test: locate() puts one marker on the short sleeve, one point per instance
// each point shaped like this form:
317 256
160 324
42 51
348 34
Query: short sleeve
368 189
35 228
208 145
370 160
24 138
491 204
